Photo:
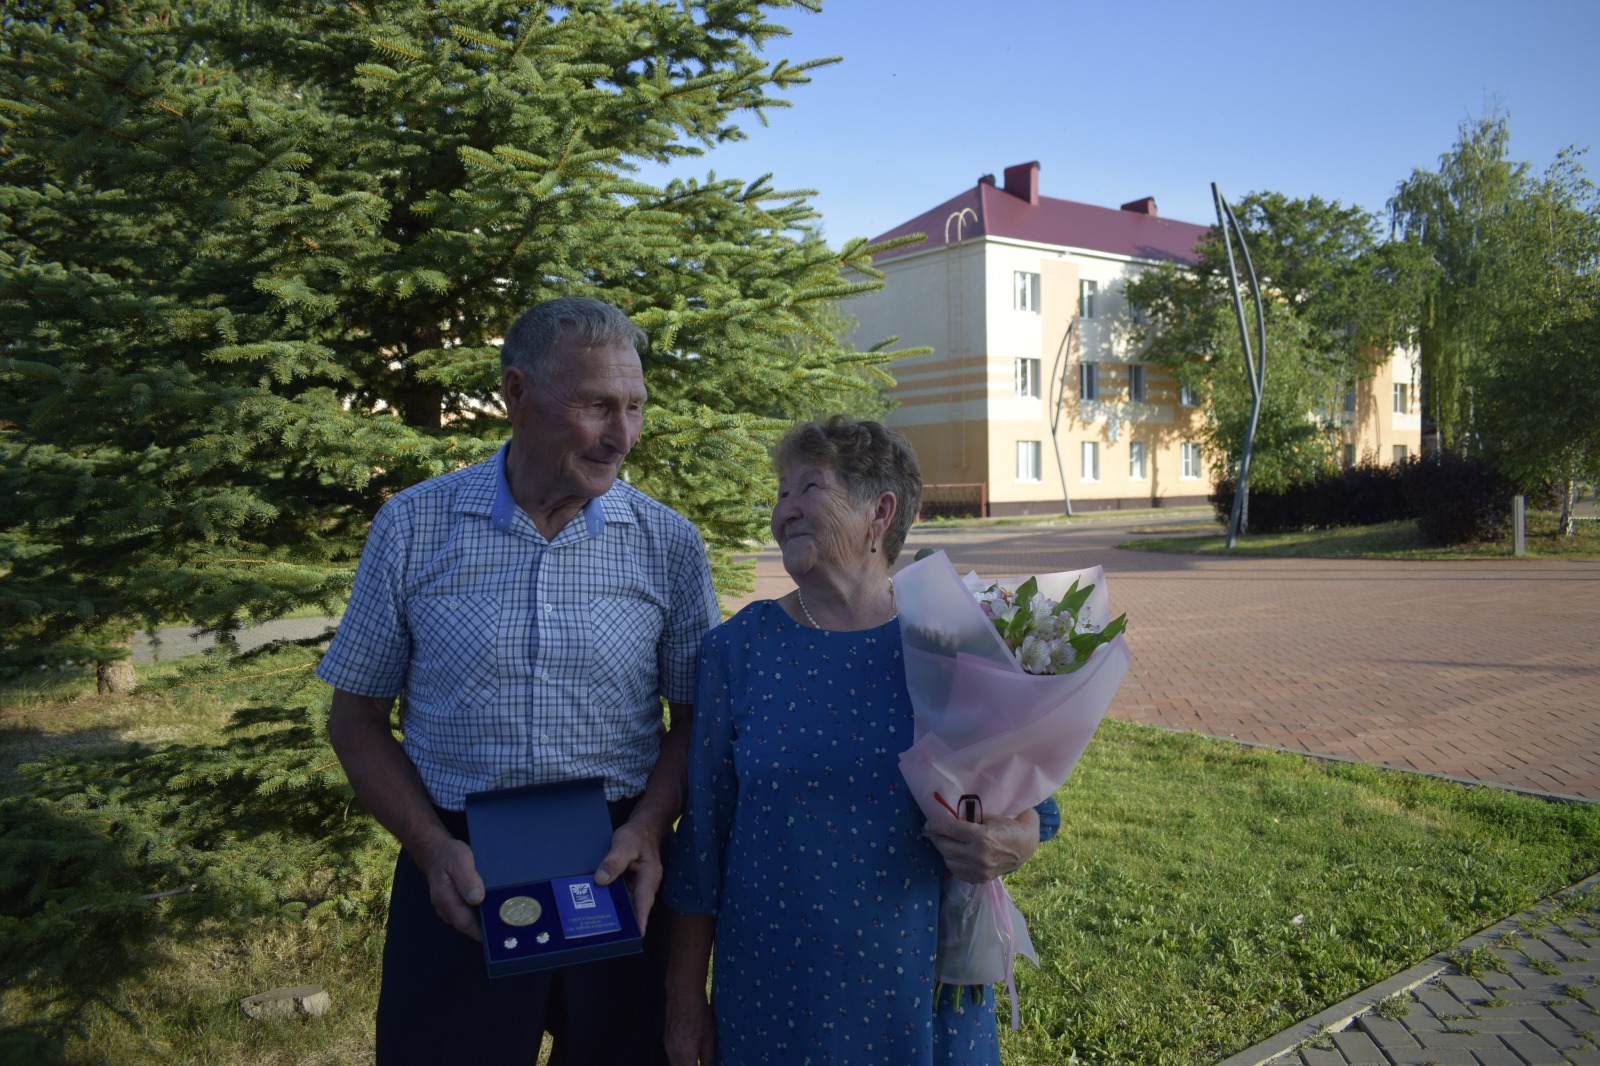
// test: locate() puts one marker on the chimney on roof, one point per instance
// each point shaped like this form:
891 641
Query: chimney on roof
1146 206
1022 181
986 179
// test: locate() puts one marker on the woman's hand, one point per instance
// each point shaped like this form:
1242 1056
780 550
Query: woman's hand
691 1035
691 1032
981 851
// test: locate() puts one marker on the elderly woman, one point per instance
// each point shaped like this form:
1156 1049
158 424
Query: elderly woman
802 856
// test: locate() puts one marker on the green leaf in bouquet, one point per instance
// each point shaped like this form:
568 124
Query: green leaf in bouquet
1075 598
1084 644
1017 628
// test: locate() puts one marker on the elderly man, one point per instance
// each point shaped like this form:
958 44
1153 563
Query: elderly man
533 610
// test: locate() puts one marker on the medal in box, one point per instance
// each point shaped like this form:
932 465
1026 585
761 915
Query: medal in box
537 848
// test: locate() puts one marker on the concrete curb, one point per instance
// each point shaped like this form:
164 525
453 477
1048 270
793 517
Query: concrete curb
1340 1015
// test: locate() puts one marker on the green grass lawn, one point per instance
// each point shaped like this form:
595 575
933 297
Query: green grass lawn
1201 896
1389 540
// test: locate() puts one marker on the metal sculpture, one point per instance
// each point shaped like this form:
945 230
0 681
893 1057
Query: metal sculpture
1058 390
1255 364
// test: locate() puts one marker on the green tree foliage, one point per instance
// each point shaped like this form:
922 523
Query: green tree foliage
1537 391
104 859
870 397
253 260
1338 298
1455 215
1508 337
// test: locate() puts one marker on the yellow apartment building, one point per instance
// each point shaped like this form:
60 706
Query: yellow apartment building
1034 397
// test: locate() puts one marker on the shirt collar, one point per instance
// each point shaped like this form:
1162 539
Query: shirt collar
595 513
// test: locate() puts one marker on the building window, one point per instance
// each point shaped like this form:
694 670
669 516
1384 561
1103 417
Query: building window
1400 454
1086 295
1025 291
1188 396
1136 383
1091 461
1402 398
1027 371
1088 381
1349 456
1190 454
1136 468
1350 401
1028 460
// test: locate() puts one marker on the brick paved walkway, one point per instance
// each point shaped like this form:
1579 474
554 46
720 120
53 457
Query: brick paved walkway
1483 671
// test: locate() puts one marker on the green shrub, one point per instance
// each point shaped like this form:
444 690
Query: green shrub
1457 500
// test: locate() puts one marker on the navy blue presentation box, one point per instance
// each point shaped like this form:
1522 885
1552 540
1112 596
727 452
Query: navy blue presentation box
536 848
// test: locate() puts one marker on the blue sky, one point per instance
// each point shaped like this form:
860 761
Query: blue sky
1159 98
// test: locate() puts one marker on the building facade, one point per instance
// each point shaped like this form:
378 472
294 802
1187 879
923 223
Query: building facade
1034 395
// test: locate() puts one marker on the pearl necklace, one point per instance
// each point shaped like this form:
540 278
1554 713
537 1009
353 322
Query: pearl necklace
807 611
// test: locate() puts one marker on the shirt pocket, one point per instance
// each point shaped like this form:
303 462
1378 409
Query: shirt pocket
454 659
624 632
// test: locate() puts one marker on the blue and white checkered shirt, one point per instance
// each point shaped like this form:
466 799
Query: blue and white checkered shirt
522 660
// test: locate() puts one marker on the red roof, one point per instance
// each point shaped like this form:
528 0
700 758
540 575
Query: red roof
986 211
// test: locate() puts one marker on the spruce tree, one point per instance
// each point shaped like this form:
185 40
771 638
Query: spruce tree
254 260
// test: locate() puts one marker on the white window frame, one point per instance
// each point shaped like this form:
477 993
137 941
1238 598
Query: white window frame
1026 378
1136 382
1030 460
1188 396
1349 456
1402 398
1401 454
1091 460
1025 291
1138 469
1087 291
1088 381
1189 453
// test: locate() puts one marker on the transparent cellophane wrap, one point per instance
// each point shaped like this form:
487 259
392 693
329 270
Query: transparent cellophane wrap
985 727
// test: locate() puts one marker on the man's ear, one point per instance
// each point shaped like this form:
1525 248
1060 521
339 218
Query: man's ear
513 388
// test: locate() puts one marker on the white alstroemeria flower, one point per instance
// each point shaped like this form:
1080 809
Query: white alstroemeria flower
1052 627
1035 656
1062 654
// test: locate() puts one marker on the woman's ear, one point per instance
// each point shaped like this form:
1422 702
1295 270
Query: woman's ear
883 512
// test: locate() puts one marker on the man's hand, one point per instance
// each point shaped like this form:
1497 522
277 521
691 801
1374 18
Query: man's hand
981 851
635 852
453 883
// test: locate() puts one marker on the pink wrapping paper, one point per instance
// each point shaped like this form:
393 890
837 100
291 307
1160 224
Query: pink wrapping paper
985 726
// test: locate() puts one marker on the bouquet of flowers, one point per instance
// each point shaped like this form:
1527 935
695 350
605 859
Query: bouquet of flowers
1047 636
1008 686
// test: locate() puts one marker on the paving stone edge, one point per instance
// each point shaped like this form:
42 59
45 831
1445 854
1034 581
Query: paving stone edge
1554 797
1339 1016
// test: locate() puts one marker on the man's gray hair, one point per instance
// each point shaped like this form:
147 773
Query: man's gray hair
539 329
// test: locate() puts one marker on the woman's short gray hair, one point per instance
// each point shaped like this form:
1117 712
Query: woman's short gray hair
869 457
539 329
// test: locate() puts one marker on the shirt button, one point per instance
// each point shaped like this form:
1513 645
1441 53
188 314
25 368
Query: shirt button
549 607
545 676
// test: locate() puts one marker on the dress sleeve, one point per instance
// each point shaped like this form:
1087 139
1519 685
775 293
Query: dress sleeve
1049 813
694 878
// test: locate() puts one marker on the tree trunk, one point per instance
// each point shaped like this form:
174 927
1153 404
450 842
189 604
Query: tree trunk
116 677
421 404
1569 525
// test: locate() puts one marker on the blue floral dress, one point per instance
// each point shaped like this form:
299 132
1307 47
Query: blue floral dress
803 839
